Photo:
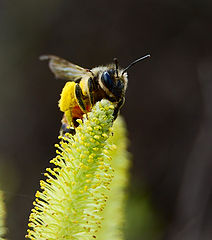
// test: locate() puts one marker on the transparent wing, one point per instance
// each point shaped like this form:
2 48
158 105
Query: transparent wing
63 69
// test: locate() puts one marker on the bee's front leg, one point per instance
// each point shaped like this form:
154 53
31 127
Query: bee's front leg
118 107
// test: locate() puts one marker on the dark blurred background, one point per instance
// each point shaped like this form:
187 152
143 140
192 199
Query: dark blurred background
167 109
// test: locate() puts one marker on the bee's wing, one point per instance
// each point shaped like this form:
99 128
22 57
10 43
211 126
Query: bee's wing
63 69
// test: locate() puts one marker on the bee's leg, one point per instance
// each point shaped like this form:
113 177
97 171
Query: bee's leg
67 118
118 107
79 98
90 91
65 127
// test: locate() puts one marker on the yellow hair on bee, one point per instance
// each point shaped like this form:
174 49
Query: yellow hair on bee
67 99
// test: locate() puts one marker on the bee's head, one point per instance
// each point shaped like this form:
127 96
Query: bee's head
113 83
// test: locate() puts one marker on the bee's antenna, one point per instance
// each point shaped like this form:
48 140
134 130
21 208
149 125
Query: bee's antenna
137 60
116 64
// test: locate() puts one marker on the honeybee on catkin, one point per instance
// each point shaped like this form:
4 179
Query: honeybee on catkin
85 87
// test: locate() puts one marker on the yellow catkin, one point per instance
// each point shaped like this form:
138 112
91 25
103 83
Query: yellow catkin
113 223
72 199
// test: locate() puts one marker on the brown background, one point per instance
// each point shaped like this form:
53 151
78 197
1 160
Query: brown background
167 109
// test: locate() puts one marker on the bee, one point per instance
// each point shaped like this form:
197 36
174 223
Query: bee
85 87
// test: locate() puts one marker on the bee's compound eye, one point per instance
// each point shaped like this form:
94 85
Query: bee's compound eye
106 79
